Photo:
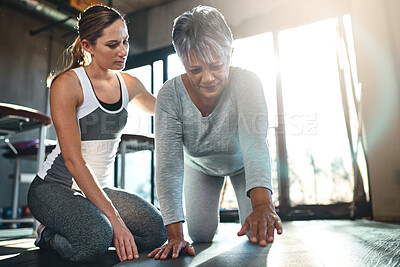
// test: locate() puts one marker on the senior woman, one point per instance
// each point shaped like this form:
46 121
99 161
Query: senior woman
211 122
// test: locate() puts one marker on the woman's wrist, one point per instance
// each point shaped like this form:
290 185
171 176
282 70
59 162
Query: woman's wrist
113 217
111 212
260 196
175 231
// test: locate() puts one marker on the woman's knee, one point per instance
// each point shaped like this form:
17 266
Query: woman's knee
160 232
201 227
202 232
156 235
91 251
84 248
201 236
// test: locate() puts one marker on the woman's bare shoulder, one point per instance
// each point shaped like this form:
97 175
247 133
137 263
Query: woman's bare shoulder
130 81
68 78
67 85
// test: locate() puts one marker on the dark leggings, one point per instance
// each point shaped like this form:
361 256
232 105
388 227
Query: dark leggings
81 231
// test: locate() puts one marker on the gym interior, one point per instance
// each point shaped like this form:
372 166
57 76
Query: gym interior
330 70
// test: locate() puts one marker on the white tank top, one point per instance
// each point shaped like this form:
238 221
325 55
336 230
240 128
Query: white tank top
100 131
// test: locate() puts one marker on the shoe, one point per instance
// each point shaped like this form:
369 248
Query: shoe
40 239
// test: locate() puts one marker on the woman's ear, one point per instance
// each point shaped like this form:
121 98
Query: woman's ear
87 46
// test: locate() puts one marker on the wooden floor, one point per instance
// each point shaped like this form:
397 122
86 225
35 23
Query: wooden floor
304 243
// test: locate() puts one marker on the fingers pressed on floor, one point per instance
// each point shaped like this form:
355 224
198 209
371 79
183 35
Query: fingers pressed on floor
270 232
253 232
262 233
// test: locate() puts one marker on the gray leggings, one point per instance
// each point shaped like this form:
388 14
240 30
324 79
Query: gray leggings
81 231
202 195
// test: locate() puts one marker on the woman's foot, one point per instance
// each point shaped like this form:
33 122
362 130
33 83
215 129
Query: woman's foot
43 237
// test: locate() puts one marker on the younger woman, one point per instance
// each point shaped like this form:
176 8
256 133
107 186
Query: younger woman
89 110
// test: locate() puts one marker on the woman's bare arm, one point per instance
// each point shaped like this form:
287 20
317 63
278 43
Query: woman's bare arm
138 94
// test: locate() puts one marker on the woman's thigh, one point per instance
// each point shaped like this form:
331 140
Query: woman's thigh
202 194
62 209
69 214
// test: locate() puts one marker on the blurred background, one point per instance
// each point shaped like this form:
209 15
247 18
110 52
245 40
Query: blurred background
330 71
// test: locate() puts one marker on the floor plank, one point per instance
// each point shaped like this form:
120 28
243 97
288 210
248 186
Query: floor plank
304 243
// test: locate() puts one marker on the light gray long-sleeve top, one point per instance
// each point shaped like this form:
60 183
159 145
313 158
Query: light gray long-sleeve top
232 137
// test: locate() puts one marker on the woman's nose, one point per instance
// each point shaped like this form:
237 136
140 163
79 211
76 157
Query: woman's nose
207 76
123 51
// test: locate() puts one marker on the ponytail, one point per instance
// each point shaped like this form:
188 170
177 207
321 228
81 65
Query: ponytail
73 57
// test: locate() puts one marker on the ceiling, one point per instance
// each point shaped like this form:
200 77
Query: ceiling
131 6
124 6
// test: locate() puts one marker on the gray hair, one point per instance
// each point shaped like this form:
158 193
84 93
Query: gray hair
203 31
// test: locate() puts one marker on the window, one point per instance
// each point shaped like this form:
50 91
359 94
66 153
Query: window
138 121
158 76
137 167
319 160
175 66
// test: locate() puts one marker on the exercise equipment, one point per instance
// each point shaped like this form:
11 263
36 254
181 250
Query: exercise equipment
15 119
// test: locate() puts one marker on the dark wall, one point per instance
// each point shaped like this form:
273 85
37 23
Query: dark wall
23 71
137 27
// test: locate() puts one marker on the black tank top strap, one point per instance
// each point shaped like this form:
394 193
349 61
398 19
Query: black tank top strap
113 106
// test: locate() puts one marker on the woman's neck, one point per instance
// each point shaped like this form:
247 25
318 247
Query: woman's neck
205 105
98 73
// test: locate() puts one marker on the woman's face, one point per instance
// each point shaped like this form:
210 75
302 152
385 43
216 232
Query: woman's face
111 49
208 78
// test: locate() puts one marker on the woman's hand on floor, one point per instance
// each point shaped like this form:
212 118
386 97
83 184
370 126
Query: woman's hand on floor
262 223
263 220
123 241
174 247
